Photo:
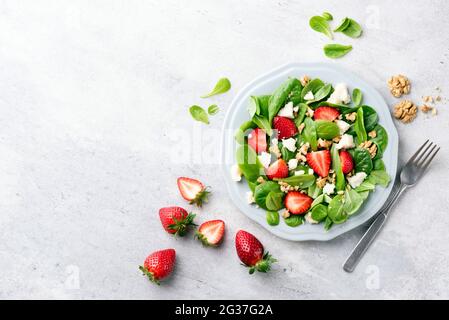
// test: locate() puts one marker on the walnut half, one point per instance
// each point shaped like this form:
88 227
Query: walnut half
405 111
399 85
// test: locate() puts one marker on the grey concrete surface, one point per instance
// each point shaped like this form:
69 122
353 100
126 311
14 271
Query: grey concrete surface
94 131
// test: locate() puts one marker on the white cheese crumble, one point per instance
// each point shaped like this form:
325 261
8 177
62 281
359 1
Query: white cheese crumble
342 125
346 142
299 172
250 197
357 179
274 141
309 218
309 96
292 164
311 171
340 94
236 173
296 109
287 111
329 188
290 144
265 159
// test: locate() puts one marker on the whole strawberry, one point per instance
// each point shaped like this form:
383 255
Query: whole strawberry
251 252
176 220
193 190
159 265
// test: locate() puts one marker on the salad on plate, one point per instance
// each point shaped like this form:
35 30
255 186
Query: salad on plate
311 152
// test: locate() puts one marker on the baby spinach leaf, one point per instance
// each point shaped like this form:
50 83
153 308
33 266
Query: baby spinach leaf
294 220
350 28
321 94
370 118
343 25
318 200
327 16
380 177
262 190
240 132
254 106
357 96
328 224
326 129
309 133
365 186
314 191
302 181
381 140
213 109
286 154
320 24
359 127
273 201
335 50
362 159
364 195
199 114
301 114
319 212
327 199
295 94
378 164
336 209
263 123
252 185
263 105
279 97
222 86
313 85
272 218
336 165
248 162
353 201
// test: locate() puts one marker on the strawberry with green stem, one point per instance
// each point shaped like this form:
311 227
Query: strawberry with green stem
210 233
193 191
176 220
159 265
251 252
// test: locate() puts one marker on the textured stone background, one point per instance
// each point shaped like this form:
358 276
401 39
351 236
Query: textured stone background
94 131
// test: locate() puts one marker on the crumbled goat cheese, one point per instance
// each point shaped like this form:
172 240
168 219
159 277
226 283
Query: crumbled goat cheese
299 172
346 142
329 188
236 173
357 179
296 109
340 94
265 159
290 144
250 197
287 111
274 141
311 171
309 218
309 96
342 125
292 164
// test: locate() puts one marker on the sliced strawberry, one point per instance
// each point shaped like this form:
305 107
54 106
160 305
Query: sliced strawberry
326 113
278 169
320 162
211 232
347 164
286 127
297 202
193 190
257 139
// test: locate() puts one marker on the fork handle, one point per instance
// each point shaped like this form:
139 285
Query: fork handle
369 236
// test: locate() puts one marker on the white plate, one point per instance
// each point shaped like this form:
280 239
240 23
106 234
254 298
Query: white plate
237 113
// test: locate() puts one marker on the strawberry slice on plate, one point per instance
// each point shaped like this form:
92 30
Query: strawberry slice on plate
286 127
176 220
257 140
193 190
320 162
159 265
278 169
326 113
210 233
347 164
297 202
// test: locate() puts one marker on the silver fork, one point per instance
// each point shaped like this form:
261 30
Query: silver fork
410 174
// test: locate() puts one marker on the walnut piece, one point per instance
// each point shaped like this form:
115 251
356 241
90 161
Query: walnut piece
399 85
372 134
304 148
304 80
321 182
309 112
351 116
427 99
370 146
301 127
426 108
275 149
260 180
405 111
285 214
324 144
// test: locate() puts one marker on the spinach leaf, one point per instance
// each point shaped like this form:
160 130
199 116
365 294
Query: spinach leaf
364 195
327 16
378 164
272 218
365 186
328 224
240 132
318 200
353 201
222 86
301 114
381 140
313 85
336 210
321 94
302 181
314 191
350 28
199 114
319 212
340 107
280 95
359 127
262 190
357 96
254 106
263 123
248 162
326 129
273 201
294 220
263 105
320 24
370 118
327 199
362 159
380 177
309 133
336 165
335 50
286 154
252 185
295 94
213 109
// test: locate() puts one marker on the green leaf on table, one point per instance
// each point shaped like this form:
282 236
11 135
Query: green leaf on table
222 86
327 16
335 50
350 28
199 114
213 109
320 24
